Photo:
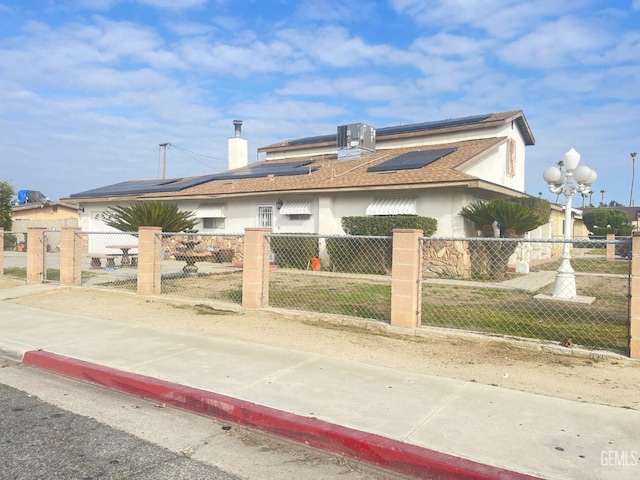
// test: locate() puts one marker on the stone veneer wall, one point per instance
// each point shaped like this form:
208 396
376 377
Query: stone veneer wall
446 258
228 247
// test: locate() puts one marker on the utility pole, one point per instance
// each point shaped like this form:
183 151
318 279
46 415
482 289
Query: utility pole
164 158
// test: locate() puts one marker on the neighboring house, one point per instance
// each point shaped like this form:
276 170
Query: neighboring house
43 213
307 185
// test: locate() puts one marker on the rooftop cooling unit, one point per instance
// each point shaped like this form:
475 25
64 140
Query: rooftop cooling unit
355 140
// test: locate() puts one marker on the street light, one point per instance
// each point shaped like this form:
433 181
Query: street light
573 179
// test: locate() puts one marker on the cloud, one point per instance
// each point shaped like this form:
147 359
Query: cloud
555 44
495 18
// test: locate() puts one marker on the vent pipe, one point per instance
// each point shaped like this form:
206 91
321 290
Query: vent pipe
238 126
237 148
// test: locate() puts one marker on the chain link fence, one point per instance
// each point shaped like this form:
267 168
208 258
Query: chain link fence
510 287
15 255
109 259
203 266
344 275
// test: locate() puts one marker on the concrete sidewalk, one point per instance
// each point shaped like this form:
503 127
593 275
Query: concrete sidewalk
421 425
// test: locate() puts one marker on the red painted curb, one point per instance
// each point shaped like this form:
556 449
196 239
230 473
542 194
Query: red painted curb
374 449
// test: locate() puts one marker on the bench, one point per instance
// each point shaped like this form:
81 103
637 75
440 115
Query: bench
96 260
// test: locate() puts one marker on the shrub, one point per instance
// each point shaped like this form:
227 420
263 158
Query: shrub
294 251
602 221
383 226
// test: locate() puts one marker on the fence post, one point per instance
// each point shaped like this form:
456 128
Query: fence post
1 251
406 285
634 314
36 267
610 247
70 257
255 269
149 261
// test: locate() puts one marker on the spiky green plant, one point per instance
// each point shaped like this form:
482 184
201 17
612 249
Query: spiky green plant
515 219
129 218
481 214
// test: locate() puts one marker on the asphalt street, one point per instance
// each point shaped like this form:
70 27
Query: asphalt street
40 441
52 427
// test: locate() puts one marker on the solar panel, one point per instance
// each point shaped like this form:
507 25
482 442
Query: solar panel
413 127
411 160
135 187
318 139
264 169
452 122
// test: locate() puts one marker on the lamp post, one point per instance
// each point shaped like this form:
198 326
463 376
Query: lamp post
571 179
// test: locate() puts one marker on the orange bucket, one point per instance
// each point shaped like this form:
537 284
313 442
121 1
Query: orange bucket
315 264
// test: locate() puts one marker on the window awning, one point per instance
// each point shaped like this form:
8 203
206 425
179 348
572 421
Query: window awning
295 208
211 211
392 206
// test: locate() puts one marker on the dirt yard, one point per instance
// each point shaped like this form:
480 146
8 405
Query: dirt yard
522 365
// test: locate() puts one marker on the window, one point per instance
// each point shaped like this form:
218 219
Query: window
299 216
265 216
211 223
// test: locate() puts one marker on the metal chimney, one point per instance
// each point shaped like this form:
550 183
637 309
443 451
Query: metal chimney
238 125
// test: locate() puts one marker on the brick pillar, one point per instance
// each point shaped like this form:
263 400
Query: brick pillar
1 251
36 268
70 257
634 314
149 261
406 285
255 271
611 248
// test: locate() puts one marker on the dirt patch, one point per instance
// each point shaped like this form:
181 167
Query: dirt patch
526 366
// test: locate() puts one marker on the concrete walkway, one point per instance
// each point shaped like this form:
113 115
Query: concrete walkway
421 425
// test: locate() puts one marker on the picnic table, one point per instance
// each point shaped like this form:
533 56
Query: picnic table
127 259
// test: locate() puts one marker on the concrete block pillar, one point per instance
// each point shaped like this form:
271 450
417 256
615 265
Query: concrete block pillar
36 251
149 261
70 257
406 285
634 327
611 248
255 272
1 251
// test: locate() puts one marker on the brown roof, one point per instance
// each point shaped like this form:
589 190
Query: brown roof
412 130
336 174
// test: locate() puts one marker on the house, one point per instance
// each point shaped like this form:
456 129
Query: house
307 185
33 209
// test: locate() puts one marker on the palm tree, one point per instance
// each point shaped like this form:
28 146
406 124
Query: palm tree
602 192
591 192
633 176
584 198
130 217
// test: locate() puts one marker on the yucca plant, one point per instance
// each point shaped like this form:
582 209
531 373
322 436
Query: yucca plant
129 218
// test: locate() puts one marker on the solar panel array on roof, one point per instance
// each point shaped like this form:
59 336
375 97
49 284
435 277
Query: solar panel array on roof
264 169
318 139
414 127
411 160
136 187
